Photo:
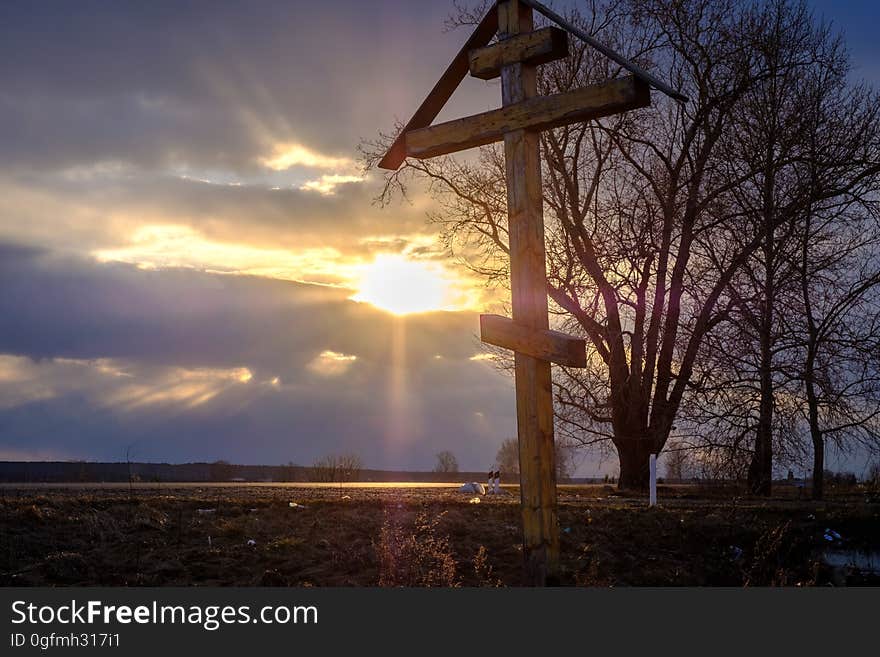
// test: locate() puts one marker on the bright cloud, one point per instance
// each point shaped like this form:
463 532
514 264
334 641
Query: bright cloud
162 246
113 384
331 363
327 184
344 169
400 283
290 155
179 387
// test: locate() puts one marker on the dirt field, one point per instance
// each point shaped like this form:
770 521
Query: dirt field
384 535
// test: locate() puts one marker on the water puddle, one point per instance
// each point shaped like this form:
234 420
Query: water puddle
853 567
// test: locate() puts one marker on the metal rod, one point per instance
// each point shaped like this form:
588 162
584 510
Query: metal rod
636 70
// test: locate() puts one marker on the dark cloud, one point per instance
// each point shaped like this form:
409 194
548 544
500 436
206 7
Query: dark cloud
103 107
210 84
100 356
105 211
56 306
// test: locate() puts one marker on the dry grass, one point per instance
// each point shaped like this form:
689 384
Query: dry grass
399 537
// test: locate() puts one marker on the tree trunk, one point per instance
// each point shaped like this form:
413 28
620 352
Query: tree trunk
761 468
634 455
816 434
815 430
818 466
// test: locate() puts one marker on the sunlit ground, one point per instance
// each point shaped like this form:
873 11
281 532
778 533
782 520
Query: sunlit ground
350 535
233 484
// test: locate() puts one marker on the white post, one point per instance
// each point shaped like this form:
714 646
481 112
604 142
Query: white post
652 464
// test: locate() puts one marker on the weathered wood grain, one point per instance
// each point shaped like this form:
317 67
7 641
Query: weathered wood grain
538 47
533 114
547 345
534 394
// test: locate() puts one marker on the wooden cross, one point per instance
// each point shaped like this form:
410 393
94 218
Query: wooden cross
514 57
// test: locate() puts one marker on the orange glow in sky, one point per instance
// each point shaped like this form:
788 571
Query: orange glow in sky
402 286
398 283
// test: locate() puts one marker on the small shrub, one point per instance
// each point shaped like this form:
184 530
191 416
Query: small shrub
286 543
418 556
483 569
777 548
873 478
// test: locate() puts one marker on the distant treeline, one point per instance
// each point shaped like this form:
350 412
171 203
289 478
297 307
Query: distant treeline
73 471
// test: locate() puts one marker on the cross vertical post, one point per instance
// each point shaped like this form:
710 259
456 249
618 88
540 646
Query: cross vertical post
534 394
518 123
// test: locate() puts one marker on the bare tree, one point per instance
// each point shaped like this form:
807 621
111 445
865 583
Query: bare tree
507 458
677 463
839 276
643 234
769 144
349 467
324 469
337 467
743 374
446 462
814 136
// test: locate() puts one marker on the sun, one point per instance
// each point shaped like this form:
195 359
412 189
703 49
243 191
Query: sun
401 286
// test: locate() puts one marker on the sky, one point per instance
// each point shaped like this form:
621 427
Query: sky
191 265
